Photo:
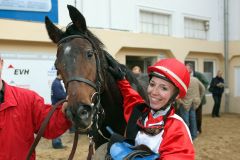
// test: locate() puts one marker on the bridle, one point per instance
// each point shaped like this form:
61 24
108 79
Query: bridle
98 110
96 85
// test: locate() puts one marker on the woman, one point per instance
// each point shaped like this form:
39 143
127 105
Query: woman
156 125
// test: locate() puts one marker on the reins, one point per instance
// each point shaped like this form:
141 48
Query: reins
74 146
42 128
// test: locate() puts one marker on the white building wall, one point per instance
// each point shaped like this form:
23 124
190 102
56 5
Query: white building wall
124 14
63 16
234 20
204 10
96 13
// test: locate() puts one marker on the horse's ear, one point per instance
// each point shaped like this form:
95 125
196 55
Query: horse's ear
77 18
54 33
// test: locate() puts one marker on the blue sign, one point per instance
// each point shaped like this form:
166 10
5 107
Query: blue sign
29 10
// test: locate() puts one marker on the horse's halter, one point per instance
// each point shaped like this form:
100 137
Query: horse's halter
96 85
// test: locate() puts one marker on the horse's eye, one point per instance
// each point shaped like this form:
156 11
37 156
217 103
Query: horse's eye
89 54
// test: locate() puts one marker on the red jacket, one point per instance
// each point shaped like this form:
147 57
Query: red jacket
21 115
173 143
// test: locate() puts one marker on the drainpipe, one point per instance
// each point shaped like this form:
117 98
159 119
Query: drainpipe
226 40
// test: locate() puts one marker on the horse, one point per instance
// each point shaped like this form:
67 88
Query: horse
94 99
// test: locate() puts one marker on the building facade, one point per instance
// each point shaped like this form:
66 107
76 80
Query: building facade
139 32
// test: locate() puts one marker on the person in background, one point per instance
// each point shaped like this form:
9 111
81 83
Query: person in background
156 125
201 77
22 112
217 84
142 78
189 103
57 93
136 71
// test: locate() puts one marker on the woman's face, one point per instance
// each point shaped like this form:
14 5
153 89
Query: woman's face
159 92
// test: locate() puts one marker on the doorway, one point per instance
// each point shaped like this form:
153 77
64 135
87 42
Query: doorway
142 61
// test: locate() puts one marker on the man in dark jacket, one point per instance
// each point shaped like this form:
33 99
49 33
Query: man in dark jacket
217 85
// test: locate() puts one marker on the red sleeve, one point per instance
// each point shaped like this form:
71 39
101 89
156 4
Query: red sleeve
130 98
57 124
176 143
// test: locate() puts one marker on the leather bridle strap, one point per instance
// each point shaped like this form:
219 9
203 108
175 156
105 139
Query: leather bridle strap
71 37
42 129
80 79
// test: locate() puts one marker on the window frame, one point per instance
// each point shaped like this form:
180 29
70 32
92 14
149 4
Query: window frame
191 25
155 13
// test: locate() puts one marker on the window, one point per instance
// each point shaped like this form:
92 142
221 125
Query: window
195 28
208 70
154 23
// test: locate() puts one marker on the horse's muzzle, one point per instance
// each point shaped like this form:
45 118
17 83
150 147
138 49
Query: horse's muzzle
81 116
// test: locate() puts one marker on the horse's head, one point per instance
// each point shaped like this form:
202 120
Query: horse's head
78 63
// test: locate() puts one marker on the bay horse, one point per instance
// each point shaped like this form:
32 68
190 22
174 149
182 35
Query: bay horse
94 99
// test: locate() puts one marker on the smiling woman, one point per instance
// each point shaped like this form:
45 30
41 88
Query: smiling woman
160 91
156 126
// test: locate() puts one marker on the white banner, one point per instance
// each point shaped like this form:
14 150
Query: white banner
31 72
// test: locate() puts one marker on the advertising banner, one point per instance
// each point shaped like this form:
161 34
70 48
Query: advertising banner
31 72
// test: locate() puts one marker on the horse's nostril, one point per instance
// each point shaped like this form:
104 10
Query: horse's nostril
83 113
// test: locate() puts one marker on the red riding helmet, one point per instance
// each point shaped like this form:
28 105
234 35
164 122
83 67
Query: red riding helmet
175 71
